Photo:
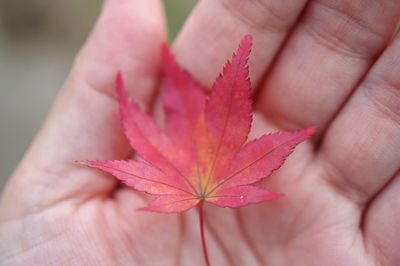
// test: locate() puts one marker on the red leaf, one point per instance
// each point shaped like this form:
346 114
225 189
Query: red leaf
203 156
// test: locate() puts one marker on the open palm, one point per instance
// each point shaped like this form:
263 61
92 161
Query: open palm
333 64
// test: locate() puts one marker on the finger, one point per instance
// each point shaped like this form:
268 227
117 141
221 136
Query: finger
360 152
215 28
382 224
84 123
331 49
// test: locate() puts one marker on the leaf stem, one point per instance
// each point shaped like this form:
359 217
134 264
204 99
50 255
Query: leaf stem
203 239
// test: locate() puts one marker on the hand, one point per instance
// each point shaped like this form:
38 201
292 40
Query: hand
327 63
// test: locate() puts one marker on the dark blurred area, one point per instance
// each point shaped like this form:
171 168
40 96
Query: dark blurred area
38 42
66 21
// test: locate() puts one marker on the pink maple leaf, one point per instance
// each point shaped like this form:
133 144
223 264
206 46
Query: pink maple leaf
204 155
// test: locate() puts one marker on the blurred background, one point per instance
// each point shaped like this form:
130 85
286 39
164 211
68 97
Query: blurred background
38 42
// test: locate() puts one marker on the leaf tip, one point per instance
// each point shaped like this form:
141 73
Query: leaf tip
165 51
247 39
275 196
168 60
245 45
119 84
118 79
82 162
310 131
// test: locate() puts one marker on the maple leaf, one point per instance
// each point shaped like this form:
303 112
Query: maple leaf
203 155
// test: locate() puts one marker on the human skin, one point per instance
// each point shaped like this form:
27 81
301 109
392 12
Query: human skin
333 64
